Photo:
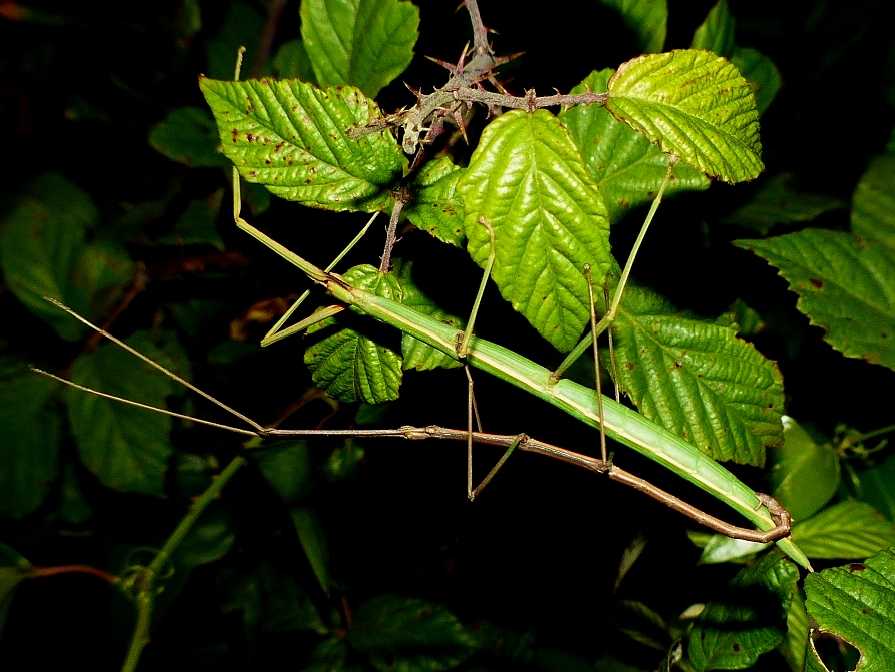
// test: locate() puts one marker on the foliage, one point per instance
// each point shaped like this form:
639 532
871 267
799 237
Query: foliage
355 554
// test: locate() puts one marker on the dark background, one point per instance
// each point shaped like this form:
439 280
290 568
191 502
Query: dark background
538 552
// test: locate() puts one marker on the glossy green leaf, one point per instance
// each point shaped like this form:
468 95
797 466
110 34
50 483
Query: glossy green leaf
436 208
126 448
292 62
287 467
312 536
873 204
845 531
804 474
877 486
779 201
795 645
294 139
857 603
364 43
405 634
43 236
732 633
761 73
189 136
416 354
697 379
528 181
694 104
13 570
198 223
717 33
29 450
627 167
846 285
349 365
647 18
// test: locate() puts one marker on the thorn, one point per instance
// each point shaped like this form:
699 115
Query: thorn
416 92
503 60
458 119
462 60
497 85
450 67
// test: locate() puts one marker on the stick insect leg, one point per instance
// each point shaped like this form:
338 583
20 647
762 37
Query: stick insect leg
277 332
463 346
609 316
594 341
613 373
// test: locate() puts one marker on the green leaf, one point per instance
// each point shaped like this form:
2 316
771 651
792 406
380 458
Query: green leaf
409 635
779 201
647 18
794 646
74 509
270 601
873 204
344 461
43 237
29 451
198 224
312 536
528 181
210 539
717 32
720 548
349 365
877 486
846 285
364 43
804 474
694 104
845 531
126 448
436 208
697 379
732 634
857 603
287 467
416 354
292 62
627 167
294 139
762 74
189 136
13 570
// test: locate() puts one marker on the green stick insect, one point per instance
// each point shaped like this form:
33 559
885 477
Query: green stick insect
611 418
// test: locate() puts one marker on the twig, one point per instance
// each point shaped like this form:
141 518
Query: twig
402 197
145 580
479 32
41 572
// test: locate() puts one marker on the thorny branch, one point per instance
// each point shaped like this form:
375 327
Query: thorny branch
424 121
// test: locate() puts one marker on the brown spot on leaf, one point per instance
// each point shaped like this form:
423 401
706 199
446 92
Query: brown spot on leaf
629 366
817 282
250 137
857 567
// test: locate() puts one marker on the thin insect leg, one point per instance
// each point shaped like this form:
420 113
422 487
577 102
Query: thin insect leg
463 348
277 333
145 407
143 358
593 326
610 313
613 365
301 325
469 414
491 474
